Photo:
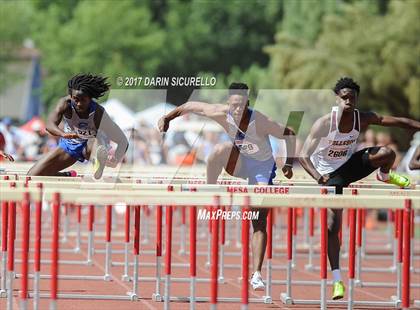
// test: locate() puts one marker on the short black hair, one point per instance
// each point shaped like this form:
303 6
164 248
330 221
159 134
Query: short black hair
237 88
94 86
346 82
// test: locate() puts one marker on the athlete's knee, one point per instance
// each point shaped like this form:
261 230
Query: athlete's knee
334 221
387 153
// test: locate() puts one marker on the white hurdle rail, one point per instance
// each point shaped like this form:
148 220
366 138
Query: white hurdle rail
207 198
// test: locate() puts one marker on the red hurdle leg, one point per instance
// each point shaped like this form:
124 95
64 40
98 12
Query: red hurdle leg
352 247
125 276
4 230
399 214
295 216
168 255
37 253
91 221
324 250
183 235
54 249
11 253
309 266
215 256
25 250
287 297
245 256
395 247
66 222
157 296
136 251
222 249
193 254
269 251
108 249
359 246
406 256
78 227
209 240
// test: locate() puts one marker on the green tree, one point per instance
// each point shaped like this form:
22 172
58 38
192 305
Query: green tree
14 28
108 37
379 51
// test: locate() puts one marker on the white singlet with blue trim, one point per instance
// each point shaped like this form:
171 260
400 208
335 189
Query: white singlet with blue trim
336 148
84 127
249 143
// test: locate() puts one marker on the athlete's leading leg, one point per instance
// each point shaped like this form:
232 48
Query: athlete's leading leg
97 152
383 158
225 156
52 163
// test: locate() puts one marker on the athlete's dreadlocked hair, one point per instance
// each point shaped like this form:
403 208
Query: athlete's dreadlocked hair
346 82
94 86
238 89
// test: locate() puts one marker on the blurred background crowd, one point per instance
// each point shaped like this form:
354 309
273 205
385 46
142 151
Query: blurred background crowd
185 145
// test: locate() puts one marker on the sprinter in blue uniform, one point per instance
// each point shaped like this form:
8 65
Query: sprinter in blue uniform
87 129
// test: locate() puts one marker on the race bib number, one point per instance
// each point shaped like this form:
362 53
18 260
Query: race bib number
85 133
246 147
337 154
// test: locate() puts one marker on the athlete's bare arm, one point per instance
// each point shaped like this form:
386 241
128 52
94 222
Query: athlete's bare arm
216 112
372 118
54 119
267 126
105 124
415 160
318 131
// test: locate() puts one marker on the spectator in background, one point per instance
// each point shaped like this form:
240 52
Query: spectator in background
410 163
2 153
368 140
206 145
11 138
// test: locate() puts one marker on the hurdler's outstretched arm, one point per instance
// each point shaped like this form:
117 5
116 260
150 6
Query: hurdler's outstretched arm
213 111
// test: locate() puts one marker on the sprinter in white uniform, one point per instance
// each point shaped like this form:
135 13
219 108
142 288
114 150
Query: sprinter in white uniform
248 155
329 156
86 128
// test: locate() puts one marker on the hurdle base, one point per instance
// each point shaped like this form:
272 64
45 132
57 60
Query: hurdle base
133 296
76 250
3 293
286 299
309 267
107 277
221 280
157 297
268 299
126 278
397 301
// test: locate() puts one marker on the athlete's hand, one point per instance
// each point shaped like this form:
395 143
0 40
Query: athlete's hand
70 135
7 156
323 179
163 124
287 171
